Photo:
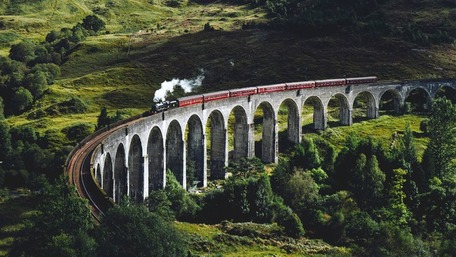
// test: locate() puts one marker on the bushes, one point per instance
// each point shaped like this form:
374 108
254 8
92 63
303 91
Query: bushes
172 202
34 66
78 132
131 230
285 217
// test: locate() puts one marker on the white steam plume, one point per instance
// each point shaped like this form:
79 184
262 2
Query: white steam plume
187 84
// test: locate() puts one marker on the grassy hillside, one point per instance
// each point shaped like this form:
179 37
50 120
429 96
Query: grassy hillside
147 42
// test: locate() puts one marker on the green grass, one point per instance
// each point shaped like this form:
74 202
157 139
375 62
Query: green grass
223 240
148 43
382 129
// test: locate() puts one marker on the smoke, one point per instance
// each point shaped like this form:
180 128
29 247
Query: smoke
187 85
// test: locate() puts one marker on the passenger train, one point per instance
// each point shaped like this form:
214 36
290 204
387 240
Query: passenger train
248 91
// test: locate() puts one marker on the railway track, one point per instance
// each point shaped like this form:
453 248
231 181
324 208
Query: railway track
78 168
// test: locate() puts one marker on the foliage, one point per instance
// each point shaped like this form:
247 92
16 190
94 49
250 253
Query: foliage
22 99
77 132
367 181
60 226
391 240
93 23
246 167
131 230
240 199
398 213
104 119
285 217
439 204
5 140
172 202
23 51
442 144
306 155
2 116
448 247
33 66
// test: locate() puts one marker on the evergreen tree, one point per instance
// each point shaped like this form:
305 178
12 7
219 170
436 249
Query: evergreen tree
398 213
367 182
103 119
442 144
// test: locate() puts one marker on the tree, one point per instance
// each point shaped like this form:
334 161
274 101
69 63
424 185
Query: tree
245 167
306 155
50 70
285 217
22 99
52 36
261 199
440 204
103 119
60 227
5 140
397 211
93 23
301 192
131 230
442 144
2 115
367 181
36 83
23 51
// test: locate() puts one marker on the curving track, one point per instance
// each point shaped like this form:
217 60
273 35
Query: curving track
78 168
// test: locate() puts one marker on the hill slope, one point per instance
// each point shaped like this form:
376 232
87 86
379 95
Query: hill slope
147 43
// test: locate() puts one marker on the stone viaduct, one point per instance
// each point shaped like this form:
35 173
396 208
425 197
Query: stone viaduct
133 160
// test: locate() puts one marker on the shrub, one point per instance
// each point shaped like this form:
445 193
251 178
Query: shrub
93 23
78 132
23 51
285 217
131 230
22 100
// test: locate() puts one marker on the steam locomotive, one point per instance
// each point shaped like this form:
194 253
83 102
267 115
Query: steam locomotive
204 98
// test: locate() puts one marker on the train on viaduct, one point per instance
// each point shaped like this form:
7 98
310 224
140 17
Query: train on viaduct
130 158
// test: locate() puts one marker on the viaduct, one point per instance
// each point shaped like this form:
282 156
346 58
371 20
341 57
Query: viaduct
133 160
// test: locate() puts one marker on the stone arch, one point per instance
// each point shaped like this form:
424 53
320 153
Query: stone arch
392 102
268 135
98 175
155 151
319 115
447 92
195 151
107 176
120 174
292 134
365 100
136 169
240 128
217 149
419 99
345 117
175 151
